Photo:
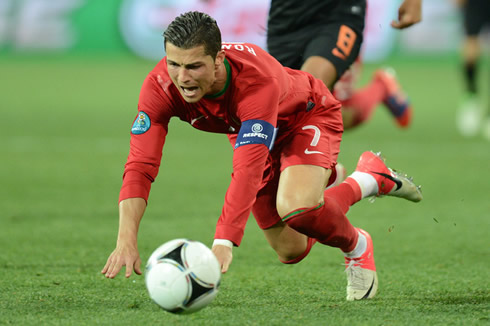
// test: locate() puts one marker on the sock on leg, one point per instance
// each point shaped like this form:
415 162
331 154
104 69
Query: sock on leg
359 249
327 223
366 183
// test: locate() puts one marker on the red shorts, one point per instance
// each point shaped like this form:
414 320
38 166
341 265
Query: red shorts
315 140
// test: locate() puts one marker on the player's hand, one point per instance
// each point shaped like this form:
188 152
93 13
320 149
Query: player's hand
409 13
224 255
123 255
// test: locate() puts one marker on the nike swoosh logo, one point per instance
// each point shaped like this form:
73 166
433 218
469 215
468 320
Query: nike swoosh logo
369 291
395 180
312 152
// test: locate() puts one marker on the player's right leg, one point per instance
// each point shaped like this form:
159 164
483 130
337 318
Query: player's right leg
306 207
371 178
327 222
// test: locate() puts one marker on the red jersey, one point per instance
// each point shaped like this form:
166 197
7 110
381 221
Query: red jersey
258 88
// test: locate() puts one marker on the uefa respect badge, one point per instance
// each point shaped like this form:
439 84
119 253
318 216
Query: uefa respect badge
256 132
141 124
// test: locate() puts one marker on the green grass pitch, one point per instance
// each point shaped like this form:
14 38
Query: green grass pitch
64 140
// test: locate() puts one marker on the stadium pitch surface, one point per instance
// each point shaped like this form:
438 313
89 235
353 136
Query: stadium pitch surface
64 141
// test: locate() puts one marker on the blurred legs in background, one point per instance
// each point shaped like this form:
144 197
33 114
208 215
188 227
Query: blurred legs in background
358 104
473 116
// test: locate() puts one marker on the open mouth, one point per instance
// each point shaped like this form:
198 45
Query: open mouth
189 91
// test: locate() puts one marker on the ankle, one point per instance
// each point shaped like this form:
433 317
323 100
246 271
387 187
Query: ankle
366 182
360 248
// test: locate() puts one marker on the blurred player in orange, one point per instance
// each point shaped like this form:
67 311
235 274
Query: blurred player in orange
476 16
324 38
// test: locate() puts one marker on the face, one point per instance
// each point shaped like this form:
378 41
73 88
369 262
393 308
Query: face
192 71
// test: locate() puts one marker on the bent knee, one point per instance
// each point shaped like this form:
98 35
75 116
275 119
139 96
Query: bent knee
286 242
291 256
286 205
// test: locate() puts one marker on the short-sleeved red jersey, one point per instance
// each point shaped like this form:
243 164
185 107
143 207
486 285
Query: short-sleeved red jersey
258 88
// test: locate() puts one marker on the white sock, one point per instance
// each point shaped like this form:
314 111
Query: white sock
359 249
366 182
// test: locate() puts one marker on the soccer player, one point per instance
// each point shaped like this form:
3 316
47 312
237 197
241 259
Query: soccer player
476 15
285 128
324 37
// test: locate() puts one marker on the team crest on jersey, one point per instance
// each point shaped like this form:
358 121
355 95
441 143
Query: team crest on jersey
141 124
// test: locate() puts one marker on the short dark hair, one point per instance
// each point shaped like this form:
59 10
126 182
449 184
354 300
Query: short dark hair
193 29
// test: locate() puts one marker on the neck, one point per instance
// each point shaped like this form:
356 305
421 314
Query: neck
221 76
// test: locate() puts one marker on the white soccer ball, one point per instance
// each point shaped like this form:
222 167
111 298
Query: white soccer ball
182 276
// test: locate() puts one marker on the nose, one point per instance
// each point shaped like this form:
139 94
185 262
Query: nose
184 75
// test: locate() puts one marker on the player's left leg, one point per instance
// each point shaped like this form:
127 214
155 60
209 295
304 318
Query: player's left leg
291 246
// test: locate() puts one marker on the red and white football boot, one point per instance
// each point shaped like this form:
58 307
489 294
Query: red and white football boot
362 280
390 182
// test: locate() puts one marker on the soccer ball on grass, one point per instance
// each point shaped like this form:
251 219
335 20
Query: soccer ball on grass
182 276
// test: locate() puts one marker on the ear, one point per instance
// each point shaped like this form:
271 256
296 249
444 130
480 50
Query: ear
220 58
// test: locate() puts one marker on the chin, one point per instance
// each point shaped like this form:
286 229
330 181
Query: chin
192 99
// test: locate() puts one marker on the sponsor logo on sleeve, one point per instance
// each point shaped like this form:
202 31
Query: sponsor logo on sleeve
141 124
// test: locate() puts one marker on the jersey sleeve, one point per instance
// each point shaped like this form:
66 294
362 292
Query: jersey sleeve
148 134
261 103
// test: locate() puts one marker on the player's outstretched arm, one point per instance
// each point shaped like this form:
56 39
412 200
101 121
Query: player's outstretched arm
126 253
409 13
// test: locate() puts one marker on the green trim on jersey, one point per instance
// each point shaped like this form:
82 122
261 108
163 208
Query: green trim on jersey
228 81
299 211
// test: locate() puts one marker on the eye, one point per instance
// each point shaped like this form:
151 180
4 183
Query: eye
193 67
